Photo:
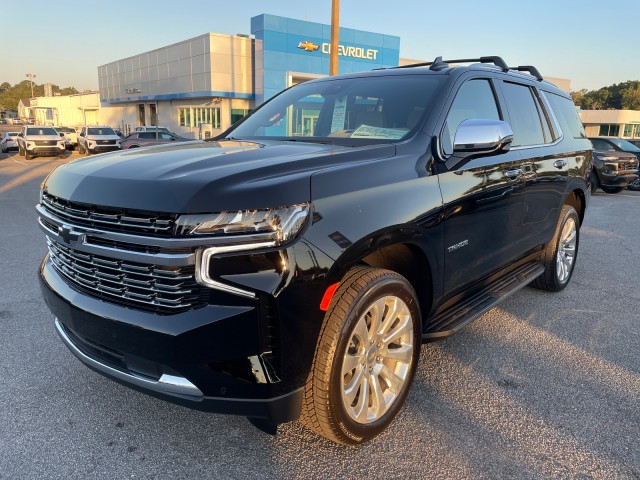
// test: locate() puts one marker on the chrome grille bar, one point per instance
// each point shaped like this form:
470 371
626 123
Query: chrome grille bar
147 286
118 221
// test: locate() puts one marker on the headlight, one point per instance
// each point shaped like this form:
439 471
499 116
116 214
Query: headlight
243 231
275 224
606 158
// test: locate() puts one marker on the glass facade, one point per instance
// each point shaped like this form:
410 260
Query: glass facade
194 116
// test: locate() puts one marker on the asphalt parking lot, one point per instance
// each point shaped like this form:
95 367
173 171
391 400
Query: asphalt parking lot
543 386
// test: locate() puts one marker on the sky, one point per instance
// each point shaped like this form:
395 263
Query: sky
64 42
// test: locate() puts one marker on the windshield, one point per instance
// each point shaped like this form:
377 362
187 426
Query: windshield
41 131
347 110
101 131
624 145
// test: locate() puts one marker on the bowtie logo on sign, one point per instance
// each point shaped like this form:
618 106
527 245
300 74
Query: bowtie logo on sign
308 46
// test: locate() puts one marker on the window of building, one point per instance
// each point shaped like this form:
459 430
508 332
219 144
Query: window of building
609 130
238 114
628 130
194 116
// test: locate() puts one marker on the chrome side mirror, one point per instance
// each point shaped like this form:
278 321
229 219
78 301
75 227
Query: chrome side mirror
482 136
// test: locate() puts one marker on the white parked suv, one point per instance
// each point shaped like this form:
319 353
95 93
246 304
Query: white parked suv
97 139
38 140
70 136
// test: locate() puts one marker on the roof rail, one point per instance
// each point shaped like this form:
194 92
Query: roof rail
529 68
439 64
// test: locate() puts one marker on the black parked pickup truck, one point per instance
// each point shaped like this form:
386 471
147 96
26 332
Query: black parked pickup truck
293 267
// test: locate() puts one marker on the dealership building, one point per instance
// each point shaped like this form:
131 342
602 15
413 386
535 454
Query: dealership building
200 86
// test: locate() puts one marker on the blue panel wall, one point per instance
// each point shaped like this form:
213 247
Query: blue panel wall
278 52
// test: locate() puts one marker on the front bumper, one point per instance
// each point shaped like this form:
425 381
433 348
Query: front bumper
37 151
616 179
103 148
190 358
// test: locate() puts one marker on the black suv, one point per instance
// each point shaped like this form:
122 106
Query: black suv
294 266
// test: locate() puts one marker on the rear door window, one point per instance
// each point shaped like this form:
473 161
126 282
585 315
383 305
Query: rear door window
524 115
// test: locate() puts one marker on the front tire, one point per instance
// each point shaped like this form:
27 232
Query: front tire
20 151
610 189
27 155
635 185
559 257
365 358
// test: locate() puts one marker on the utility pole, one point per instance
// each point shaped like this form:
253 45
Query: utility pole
335 35
31 76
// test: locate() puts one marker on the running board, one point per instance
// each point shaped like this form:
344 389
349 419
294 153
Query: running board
460 315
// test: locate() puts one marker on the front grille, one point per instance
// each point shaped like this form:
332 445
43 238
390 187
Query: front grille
105 142
45 143
110 219
631 165
160 289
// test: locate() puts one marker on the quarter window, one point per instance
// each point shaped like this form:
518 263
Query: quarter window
475 99
523 115
566 114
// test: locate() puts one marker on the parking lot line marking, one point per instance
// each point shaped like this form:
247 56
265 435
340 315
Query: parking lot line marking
21 163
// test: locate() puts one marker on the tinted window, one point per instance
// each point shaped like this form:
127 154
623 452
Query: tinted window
601 144
41 131
147 135
523 115
101 131
566 114
624 145
475 99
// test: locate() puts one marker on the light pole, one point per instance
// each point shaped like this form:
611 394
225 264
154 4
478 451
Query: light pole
335 34
31 76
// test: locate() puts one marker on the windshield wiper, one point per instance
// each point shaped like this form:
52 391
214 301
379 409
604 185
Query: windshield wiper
309 140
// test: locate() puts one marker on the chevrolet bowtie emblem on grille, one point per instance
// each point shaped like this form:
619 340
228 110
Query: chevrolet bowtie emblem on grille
68 235
308 46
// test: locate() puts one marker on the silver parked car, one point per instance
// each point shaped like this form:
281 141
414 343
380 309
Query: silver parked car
146 139
9 142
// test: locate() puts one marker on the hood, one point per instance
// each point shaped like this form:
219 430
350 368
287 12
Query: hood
203 177
626 156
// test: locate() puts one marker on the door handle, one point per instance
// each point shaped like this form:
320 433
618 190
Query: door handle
559 163
513 173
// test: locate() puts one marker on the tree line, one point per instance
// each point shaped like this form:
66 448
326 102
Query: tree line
10 95
620 96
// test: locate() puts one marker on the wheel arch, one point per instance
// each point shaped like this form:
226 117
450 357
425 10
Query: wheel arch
398 252
577 200
409 261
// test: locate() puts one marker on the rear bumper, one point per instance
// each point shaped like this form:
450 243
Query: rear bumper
187 358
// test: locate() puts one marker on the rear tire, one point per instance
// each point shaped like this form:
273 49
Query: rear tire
559 257
635 185
366 357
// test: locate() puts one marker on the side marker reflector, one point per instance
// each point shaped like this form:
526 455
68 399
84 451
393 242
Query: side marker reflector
328 295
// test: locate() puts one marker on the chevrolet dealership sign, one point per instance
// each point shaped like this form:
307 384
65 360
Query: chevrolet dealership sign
343 50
